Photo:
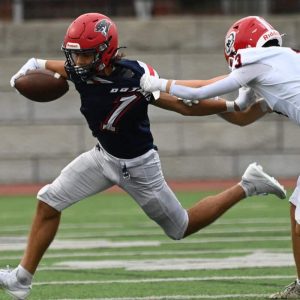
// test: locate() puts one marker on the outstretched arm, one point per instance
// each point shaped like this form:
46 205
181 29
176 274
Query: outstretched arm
211 106
218 87
208 106
57 66
248 116
203 108
198 83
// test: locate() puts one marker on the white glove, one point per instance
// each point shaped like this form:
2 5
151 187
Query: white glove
246 98
31 64
151 84
188 102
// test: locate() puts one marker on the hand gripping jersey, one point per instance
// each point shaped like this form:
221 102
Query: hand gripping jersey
274 74
116 109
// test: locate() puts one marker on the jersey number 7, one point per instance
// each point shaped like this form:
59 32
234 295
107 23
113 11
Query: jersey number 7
122 105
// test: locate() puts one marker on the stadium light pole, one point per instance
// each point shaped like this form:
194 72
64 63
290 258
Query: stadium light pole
18 11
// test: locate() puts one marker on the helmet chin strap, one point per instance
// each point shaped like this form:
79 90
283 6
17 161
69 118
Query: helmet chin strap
101 67
107 70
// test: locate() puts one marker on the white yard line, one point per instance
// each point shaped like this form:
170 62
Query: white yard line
199 240
19 243
147 224
251 260
252 221
153 253
155 280
153 232
178 297
138 233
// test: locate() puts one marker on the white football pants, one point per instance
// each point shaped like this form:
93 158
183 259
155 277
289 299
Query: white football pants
141 177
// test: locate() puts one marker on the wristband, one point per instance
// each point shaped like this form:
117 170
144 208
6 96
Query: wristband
163 84
171 86
41 63
230 106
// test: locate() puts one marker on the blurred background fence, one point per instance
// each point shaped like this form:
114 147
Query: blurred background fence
180 39
18 10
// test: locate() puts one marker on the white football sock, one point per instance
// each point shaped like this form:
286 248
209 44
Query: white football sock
23 276
248 187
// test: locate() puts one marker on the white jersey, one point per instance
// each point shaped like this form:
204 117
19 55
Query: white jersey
273 73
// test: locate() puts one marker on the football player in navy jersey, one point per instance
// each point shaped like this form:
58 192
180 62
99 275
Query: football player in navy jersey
116 110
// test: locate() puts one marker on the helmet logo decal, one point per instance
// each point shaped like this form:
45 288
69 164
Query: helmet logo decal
72 45
270 34
229 42
103 27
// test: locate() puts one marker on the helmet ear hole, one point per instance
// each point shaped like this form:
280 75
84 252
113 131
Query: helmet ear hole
271 43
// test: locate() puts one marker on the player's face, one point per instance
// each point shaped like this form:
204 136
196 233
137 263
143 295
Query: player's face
83 59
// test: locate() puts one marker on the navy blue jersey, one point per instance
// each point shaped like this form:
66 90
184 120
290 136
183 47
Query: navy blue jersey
116 109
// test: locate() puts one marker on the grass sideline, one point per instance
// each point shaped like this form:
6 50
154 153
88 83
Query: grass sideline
106 248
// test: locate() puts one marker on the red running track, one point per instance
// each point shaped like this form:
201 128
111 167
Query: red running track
177 186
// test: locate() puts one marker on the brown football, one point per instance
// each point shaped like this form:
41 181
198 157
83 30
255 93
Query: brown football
42 85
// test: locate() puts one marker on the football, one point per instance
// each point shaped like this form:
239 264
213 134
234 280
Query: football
41 85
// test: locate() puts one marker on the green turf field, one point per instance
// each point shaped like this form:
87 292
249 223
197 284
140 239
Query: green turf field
106 248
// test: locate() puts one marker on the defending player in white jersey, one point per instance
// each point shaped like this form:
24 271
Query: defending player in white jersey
260 66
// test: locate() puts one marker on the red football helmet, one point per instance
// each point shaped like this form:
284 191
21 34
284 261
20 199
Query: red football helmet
249 32
91 33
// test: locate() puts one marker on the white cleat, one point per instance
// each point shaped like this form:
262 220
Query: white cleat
292 291
256 182
10 284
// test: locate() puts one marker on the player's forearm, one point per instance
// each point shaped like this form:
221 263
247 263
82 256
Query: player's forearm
203 108
217 88
199 83
246 117
171 103
57 66
207 107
